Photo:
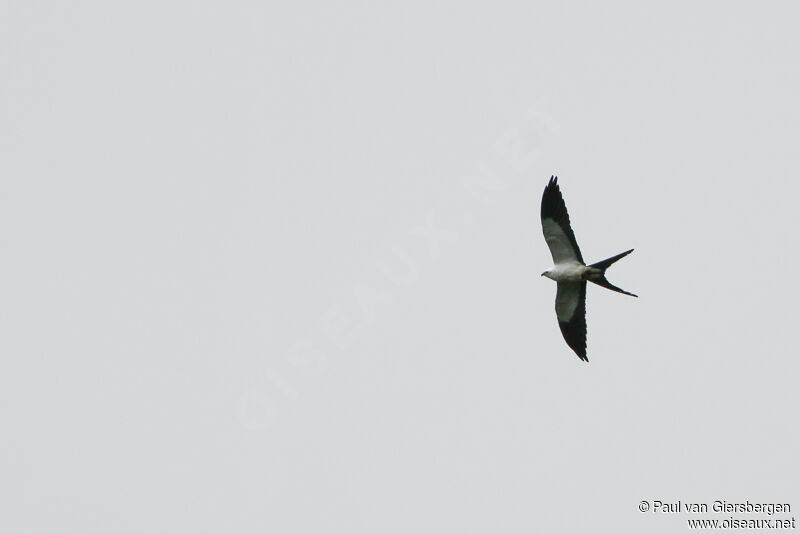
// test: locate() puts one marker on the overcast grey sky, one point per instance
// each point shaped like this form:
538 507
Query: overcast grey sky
274 267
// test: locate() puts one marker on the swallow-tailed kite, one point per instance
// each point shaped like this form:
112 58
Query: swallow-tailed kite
569 270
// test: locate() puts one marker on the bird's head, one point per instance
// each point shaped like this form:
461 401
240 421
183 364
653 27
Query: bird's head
547 274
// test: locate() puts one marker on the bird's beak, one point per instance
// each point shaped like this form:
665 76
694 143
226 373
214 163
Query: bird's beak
544 273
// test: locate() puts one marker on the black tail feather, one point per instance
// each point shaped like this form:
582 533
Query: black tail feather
599 277
602 282
605 264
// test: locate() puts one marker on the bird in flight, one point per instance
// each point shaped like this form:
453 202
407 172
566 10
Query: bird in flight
569 270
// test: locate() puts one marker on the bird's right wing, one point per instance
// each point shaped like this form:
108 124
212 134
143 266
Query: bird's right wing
555 225
571 313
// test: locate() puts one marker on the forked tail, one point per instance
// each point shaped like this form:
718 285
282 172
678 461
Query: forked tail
598 276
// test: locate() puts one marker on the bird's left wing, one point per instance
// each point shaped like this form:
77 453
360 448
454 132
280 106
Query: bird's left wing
571 313
555 225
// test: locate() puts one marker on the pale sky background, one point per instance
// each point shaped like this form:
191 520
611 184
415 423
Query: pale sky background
274 267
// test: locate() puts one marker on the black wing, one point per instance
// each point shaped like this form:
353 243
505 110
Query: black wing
556 227
571 313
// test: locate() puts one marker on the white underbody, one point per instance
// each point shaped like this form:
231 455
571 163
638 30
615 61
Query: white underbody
567 272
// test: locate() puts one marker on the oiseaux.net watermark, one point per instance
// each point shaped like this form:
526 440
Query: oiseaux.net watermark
394 268
724 515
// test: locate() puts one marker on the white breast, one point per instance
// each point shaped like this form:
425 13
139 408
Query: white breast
567 272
